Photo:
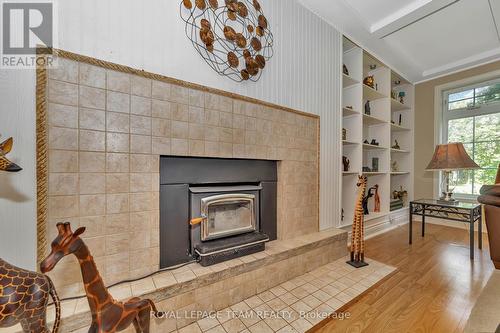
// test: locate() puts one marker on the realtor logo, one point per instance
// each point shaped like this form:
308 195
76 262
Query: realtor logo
26 26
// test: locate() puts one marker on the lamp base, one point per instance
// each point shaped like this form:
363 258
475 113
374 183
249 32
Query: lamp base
447 198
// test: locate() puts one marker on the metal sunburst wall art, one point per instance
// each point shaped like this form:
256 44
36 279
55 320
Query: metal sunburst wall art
232 36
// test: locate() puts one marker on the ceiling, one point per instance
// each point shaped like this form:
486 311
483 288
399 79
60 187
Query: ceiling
421 39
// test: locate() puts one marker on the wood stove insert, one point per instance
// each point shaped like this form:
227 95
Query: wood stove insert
214 210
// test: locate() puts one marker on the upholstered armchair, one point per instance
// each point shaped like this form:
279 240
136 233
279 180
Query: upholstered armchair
490 197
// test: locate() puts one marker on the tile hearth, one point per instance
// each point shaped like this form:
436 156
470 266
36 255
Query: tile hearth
298 304
290 287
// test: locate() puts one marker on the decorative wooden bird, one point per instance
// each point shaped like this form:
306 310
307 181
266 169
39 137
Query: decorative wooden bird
5 164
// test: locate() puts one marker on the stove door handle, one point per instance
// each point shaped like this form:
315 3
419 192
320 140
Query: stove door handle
197 220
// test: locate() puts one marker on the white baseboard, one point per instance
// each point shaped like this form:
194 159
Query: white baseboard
385 224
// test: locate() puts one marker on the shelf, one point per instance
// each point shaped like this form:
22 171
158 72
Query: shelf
368 60
348 45
397 106
373 216
397 128
402 151
349 112
348 81
399 210
371 120
376 125
373 147
372 94
396 77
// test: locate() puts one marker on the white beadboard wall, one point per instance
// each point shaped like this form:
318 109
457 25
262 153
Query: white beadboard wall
304 74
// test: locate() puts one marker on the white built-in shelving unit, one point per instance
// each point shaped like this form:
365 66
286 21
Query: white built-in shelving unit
382 124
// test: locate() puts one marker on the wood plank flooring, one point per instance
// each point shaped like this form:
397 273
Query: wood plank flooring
434 289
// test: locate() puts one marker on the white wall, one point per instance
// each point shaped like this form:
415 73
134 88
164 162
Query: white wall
303 74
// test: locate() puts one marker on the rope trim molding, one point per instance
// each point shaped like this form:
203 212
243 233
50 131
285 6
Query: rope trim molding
166 79
42 123
41 157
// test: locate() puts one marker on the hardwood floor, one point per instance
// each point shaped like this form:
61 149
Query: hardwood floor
434 289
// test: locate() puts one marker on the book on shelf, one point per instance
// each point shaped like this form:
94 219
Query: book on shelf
396 204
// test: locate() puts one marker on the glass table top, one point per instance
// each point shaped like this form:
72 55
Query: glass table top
460 204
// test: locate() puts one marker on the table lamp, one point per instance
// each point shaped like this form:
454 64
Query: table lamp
449 157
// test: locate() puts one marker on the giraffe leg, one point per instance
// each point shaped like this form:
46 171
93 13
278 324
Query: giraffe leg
145 319
94 328
34 325
137 325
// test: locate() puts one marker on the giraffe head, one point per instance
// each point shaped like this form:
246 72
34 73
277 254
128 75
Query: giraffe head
5 164
66 242
361 181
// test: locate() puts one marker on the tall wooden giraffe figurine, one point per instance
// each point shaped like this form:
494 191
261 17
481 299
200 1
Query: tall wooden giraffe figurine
5 164
108 315
358 227
23 299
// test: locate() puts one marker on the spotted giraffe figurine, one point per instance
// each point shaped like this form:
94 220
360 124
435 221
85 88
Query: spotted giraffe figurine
108 315
6 164
24 296
358 227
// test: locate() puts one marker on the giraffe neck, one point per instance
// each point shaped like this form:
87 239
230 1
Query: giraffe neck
97 293
362 193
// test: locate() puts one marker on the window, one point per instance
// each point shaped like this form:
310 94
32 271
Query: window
471 115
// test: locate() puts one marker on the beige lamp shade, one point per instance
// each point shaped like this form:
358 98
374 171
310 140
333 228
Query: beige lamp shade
451 156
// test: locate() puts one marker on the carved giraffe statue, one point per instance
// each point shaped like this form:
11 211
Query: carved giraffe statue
108 315
5 164
358 227
23 299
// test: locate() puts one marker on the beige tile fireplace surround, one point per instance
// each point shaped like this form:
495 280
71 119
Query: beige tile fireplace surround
107 126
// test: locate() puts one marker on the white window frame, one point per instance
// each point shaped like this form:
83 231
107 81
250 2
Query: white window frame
441 116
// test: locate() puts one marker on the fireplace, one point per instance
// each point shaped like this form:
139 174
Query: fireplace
214 210
225 211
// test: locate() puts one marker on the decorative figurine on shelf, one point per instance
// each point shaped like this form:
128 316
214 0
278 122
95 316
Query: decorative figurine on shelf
396 145
367 169
375 161
369 81
402 96
400 120
344 134
108 315
366 142
5 164
376 208
345 70
367 197
358 228
401 195
394 95
346 163
375 143
24 296
394 166
342 216
368 109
